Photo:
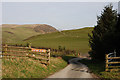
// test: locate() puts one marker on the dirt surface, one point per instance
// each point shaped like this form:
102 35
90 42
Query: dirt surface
73 70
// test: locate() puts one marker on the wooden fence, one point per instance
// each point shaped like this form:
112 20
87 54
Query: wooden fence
112 63
43 55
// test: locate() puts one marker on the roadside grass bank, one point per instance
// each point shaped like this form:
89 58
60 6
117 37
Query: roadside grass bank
98 68
29 68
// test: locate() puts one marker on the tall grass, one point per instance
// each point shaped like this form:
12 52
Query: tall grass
28 68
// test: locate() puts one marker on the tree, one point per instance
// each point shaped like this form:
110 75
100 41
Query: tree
102 38
118 36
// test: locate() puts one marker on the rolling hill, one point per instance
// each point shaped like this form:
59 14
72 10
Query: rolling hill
70 39
16 33
46 36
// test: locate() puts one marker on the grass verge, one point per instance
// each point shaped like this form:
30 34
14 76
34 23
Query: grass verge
28 68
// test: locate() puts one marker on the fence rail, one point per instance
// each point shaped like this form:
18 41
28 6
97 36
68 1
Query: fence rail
112 65
15 47
14 52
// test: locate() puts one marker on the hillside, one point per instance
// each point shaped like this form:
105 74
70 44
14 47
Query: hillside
70 39
49 37
13 33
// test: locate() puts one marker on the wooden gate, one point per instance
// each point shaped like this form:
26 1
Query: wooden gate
112 63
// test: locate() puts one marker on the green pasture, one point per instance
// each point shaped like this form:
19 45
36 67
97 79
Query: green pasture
70 39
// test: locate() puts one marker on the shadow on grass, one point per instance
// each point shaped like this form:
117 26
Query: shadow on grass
95 66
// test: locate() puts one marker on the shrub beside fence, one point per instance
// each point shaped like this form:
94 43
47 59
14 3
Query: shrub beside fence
43 55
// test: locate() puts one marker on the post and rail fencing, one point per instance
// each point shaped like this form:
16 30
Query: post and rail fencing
43 55
112 63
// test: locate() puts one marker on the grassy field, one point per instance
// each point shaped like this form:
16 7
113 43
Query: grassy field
29 68
70 39
98 68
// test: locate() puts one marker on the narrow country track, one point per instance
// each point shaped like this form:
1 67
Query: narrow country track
73 70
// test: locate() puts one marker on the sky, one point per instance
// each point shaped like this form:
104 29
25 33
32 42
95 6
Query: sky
119 7
60 0
61 15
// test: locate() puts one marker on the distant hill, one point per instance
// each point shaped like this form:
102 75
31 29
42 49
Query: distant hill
14 32
44 28
41 28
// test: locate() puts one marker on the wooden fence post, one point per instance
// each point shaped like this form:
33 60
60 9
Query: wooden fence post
29 49
29 45
48 56
6 48
106 65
